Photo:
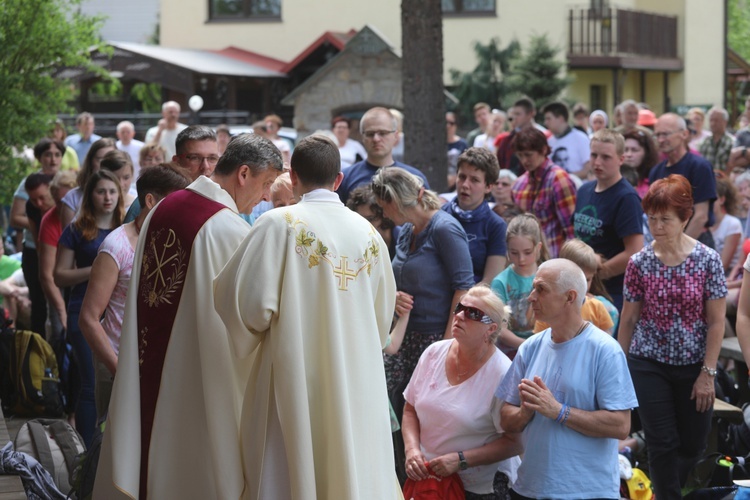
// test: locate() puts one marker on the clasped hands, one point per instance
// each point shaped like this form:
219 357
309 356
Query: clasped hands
536 397
418 468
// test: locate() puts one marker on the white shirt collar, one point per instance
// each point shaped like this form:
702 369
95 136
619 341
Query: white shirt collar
321 195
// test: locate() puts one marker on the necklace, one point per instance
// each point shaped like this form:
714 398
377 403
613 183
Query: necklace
460 374
583 327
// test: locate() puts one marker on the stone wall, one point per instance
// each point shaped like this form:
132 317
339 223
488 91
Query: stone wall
353 82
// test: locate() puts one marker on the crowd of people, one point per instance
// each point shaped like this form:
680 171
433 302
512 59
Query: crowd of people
279 297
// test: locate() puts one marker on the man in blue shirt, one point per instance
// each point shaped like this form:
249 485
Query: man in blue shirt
671 136
569 393
85 137
378 128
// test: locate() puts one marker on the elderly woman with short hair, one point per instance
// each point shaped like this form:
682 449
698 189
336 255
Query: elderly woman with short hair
671 328
451 421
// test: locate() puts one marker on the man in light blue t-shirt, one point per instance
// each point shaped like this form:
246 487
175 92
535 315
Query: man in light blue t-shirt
570 394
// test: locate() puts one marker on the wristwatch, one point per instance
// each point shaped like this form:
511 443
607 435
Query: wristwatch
710 371
462 464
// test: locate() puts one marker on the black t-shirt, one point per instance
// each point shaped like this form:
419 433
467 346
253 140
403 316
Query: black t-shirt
698 171
603 219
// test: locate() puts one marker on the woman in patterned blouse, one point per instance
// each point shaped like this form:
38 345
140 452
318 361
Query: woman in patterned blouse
671 329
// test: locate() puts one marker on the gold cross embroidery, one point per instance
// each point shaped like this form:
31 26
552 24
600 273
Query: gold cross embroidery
344 274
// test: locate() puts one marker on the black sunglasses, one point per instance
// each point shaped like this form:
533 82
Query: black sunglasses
473 313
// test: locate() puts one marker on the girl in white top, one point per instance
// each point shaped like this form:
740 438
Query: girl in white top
451 420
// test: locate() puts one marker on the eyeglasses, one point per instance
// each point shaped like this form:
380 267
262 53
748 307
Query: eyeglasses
664 135
473 314
371 134
198 159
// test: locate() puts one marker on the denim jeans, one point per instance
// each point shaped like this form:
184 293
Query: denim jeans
86 407
676 433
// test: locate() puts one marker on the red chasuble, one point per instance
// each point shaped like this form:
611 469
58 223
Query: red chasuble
166 256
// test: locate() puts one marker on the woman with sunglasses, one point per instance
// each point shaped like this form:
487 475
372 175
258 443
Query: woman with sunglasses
450 422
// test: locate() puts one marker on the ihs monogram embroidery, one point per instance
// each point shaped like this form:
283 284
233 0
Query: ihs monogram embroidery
316 252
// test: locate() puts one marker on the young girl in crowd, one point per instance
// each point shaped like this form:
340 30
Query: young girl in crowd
727 229
597 308
526 251
101 212
91 164
119 163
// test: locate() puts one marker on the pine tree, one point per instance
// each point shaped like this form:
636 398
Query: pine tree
536 74
486 82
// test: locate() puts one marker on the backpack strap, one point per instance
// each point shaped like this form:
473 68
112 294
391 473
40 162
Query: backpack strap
60 431
41 445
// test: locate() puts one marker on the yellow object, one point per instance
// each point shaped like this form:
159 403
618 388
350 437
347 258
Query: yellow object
639 486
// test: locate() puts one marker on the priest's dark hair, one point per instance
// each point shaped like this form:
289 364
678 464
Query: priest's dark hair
252 150
316 161
161 180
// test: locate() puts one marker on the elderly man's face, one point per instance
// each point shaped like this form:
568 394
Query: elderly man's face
171 114
125 134
717 123
545 299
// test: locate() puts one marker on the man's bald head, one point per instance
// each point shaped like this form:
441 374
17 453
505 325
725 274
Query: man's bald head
567 277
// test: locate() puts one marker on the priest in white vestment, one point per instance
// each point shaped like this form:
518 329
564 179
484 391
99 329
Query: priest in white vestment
310 294
172 430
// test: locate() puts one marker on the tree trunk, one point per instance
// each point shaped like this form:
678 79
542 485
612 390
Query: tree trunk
424 100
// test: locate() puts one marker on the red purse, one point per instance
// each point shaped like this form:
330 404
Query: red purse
435 488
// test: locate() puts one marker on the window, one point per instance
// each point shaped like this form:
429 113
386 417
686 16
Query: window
468 7
598 96
245 9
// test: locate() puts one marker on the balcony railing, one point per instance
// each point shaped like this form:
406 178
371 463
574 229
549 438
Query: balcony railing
620 32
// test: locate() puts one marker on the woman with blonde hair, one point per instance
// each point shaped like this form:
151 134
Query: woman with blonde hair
450 423
432 267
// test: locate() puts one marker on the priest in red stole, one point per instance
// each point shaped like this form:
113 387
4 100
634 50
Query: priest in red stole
314 318
172 430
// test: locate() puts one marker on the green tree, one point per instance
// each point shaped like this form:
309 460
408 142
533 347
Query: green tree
536 74
37 37
486 82
738 28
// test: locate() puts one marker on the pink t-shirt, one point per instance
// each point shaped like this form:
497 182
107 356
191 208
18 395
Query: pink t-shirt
117 246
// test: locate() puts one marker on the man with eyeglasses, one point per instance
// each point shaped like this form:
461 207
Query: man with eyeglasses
378 128
176 369
197 151
671 135
567 391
